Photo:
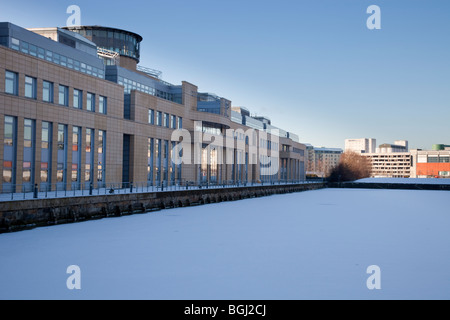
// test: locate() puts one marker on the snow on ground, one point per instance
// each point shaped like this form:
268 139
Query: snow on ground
406 180
309 245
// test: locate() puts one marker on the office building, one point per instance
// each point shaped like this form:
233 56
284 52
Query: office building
363 145
321 160
430 163
77 110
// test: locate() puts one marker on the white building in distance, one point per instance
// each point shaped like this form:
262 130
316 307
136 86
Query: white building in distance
363 145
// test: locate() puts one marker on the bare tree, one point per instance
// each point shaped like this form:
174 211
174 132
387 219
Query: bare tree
352 166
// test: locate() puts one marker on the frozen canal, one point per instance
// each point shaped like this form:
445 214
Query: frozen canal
309 245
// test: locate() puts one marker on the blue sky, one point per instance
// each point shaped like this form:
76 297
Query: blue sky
311 66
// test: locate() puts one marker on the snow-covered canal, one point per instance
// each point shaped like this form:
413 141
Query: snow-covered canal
309 245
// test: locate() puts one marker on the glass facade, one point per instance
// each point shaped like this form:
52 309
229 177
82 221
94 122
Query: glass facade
120 41
148 88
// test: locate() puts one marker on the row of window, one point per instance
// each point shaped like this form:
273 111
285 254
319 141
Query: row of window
30 136
129 85
54 57
12 85
164 119
158 167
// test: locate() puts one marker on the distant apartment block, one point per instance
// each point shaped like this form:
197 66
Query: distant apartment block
387 160
363 145
321 160
390 165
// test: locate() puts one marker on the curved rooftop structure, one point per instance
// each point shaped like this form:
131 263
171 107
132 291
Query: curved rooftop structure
123 42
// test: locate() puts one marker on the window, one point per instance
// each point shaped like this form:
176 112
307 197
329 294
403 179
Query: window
158 161
101 157
150 143
28 133
90 102
24 47
166 120
30 87
158 118
8 137
9 151
63 95
47 91
180 122
76 138
41 53
61 164
89 155
11 82
28 154
151 116
76 155
173 122
46 154
77 99
49 55
102 104
33 50
15 43
45 138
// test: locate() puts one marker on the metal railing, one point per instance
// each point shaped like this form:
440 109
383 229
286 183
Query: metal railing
26 192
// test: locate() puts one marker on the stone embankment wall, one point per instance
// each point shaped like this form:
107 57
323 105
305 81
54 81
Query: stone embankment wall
20 215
